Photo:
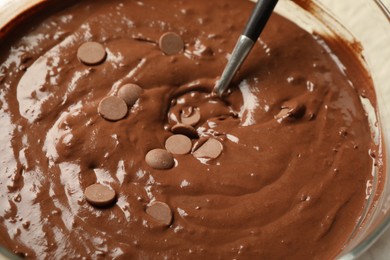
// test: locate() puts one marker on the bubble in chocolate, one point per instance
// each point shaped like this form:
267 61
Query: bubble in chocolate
178 144
130 93
99 195
190 117
91 53
161 212
211 149
171 43
159 159
343 132
186 130
112 108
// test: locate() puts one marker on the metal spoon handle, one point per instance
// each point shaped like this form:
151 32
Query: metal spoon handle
244 45
259 18
239 54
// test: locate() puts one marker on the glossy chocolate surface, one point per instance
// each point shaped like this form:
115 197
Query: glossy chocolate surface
287 185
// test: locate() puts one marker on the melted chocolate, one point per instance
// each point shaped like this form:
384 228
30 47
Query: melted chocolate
290 186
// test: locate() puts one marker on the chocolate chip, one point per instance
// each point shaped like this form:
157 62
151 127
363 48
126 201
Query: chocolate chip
187 111
159 159
99 195
186 130
161 212
283 113
296 109
291 109
91 53
178 144
190 118
112 108
171 43
211 149
199 143
130 93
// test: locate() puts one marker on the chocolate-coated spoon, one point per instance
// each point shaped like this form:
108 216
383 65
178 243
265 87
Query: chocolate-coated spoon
253 28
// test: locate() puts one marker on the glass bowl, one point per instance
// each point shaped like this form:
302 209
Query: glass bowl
362 24
369 23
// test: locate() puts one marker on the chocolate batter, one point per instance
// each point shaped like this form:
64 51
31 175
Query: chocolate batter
288 182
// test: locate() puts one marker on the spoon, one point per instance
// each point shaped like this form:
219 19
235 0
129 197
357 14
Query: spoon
246 41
